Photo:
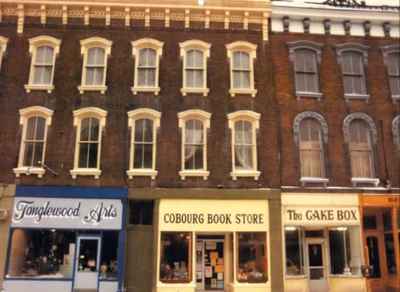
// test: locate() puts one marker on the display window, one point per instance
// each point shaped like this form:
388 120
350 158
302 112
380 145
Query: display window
252 257
176 257
294 251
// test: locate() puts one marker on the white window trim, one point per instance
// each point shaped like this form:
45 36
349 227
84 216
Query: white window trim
34 44
3 48
251 49
254 119
204 117
25 114
78 116
136 47
205 48
133 116
86 44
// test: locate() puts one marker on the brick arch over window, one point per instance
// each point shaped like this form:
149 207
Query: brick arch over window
309 115
355 116
396 131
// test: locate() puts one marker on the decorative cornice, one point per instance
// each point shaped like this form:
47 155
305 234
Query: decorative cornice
142 12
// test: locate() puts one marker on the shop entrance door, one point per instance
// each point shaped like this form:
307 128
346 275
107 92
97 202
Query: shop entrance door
316 265
87 264
210 264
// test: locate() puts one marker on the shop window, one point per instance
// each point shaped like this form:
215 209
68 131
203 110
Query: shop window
387 220
95 53
252 257
147 53
353 58
41 254
144 123
369 222
89 123
390 253
44 50
194 125
373 256
345 251
244 125
241 56
294 251
176 257
35 123
195 54
109 256
88 252
141 212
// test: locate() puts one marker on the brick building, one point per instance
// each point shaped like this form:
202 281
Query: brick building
199 145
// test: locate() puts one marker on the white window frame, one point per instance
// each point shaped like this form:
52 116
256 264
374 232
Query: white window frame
254 119
34 44
79 115
3 48
184 48
374 136
251 49
25 115
204 117
136 47
86 44
133 116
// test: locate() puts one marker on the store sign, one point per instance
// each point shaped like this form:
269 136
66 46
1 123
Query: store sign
67 213
213 215
322 216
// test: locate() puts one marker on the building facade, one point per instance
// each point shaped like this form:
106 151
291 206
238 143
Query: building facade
199 146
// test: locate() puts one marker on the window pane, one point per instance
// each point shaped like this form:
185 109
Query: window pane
394 85
109 256
88 251
348 85
194 59
144 130
94 129
176 257
85 128
252 257
294 252
94 76
390 253
41 254
83 155
93 150
361 149
338 245
33 154
143 156
394 64
42 74
147 77
96 57
241 61
194 157
147 57
30 128
243 157
194 132
243 133
44 55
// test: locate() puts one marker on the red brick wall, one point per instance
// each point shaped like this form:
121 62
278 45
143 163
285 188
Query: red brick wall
118 100
334 107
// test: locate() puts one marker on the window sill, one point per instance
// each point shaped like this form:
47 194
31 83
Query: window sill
45 87
136 89
234 92
245 173
141 172
356 96
396 98
193 173
365 180
314 180
83 88
317 95
39 171
204 91
85 172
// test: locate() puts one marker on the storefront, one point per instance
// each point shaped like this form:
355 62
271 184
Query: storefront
322 243
381 238
66 240
213 245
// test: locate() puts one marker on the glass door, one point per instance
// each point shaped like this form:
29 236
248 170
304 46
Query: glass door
316 266
87 263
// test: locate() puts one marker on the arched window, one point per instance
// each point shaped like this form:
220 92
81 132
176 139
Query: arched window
35 121
144 123
195 54
194 125
44 50
360 134
243 125
89 124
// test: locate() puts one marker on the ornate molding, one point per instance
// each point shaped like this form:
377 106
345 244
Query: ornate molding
359 116
309 115
304 44
363 49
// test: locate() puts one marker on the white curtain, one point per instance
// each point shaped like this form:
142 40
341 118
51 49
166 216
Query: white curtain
193 138
95 66
147 67
243 145
43 65
194 69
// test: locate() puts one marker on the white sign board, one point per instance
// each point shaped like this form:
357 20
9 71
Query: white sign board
213 215
67 213
321 216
